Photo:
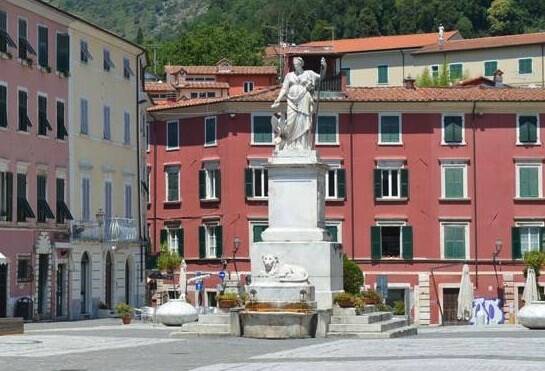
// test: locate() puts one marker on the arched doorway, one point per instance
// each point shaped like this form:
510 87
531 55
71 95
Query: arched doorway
108 281
85 282
128 281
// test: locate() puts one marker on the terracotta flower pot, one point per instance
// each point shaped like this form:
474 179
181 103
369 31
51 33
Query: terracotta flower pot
126 319
227 303
346 303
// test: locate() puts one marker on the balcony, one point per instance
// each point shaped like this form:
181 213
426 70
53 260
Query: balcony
113 230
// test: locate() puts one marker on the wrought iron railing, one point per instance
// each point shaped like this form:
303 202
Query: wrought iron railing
112 230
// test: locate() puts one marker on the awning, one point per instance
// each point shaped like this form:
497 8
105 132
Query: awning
3 259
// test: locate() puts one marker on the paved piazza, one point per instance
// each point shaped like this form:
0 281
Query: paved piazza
106 345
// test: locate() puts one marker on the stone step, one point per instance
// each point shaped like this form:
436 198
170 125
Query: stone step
395 333
206 328
364 318
368 327
222 319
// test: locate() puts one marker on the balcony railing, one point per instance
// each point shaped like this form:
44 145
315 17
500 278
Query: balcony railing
332 86
113 230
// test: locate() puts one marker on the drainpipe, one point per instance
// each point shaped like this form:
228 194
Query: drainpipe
475 226
402 65
352 211
542 66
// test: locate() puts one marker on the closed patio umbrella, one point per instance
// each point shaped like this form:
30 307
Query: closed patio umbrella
530 293
183 279
465 296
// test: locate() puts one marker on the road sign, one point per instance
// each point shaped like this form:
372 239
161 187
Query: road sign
222 275
198 286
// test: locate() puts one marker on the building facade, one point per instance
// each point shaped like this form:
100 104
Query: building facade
417 187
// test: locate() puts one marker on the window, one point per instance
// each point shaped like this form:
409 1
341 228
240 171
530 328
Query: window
210 131
335 231
262 129
256 180
43 47
24 268
453 129
61 126
194 95
84 116
128 201
86 198
43 122
210 181
256 230
127 70
391 240
211 94
3 106
391 181
107 128
435 72
456 71
63 213
24 46
84 54
528 129
345 72
389 129
24 210
63 53
127 128
525 66
107 61
335 180
490 67
210 241
527 236
44 211
327 131
455 240
173 239
6 196
173 135
172 174
248 86
148 137
453 180
5 39
382 73
108 190
24 121
529 180
202 94
148 185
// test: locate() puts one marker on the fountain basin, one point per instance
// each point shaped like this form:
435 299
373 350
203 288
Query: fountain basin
278 325
532 315
176 312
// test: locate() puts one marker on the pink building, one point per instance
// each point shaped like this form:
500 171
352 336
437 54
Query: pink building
34 70
421 181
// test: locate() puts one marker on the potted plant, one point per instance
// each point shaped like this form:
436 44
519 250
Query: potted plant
227 300
344 300
371 297
124 311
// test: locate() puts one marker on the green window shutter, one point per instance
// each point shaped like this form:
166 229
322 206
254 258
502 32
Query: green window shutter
202 184
490 67
327 129
525 65
390 129
528 129
9 196
63 53
248 182
3 106
541 238
404 178
453 129
202 242
407 236
455 71
454 243
217 176
341 183
528 182
376 250
163 238
515 243
43 57
333 233
180 235
262 129
382 74
377 179
257 232
454 182
219 241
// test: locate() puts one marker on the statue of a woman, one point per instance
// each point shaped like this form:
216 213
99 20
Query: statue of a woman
299 87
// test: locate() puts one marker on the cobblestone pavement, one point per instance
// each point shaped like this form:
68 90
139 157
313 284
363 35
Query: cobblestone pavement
107 345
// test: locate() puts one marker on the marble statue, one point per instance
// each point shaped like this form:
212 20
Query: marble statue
299 89
283 272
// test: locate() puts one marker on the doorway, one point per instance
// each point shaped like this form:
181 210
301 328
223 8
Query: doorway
127 282
85 281
60 289
108 280
450 307
43 270
3 290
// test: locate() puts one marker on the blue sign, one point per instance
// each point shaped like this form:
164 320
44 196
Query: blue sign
222 275
198 286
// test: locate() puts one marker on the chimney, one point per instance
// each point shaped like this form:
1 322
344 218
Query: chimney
498 78
409 82
441 36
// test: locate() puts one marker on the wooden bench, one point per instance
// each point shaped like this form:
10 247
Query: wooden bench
11 326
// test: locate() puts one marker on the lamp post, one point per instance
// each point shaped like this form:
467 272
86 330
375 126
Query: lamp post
498 247
236 246
100 220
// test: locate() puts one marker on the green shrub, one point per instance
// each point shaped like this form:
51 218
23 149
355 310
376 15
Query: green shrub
371 297
353 276
228 296
534 259
399 307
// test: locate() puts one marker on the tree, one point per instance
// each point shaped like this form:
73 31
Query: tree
505 17
169 261
425 80
139 36
534 259
352 276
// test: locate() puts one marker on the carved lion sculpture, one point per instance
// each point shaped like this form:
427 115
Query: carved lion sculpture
283 272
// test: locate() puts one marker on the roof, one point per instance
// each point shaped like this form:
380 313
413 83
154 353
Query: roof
158 86
485 43
366 44
222 70
182 103
78 18
204 85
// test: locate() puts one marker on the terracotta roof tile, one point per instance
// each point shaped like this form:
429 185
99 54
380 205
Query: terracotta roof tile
204 85
186 103
365 44
485 42
158 86
219 70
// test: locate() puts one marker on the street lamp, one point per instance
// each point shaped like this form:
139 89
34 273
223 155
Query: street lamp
100 221
236 246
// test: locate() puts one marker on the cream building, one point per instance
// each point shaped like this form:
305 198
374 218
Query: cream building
106 131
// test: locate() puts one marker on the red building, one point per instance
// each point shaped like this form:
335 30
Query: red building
421 181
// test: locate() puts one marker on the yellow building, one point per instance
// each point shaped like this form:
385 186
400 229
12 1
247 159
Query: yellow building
106 147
